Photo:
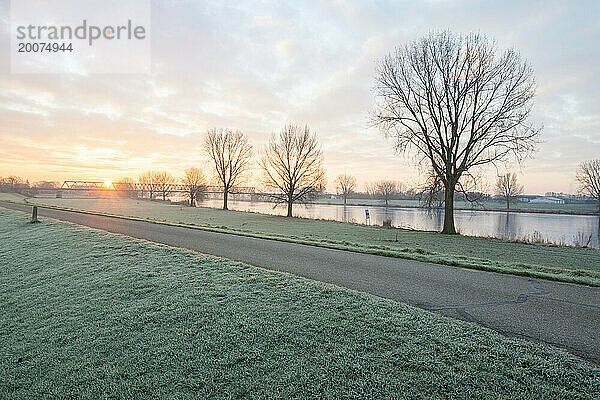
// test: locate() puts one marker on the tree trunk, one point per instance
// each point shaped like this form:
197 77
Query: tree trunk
344 200
507 202
225 194
289 210
449 210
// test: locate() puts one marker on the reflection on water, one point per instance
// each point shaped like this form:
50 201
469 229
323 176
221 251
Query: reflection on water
556 228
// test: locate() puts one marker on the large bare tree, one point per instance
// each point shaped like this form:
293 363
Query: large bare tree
231 154
195 182
457 102
588 179
162 181
345 185
507 187
386 190
292 165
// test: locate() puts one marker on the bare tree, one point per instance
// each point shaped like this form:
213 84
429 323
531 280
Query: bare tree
508 188
13 180
371 188
126 185
162 181
14 183
231 155
147 181
588 179
292 165
196 183
386 190
345 185
457 102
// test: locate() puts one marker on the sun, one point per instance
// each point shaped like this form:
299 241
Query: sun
107 183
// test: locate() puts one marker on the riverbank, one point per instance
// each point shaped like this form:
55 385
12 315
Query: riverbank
563 209
96 315
567 264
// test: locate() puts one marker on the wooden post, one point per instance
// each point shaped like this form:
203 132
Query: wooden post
34 215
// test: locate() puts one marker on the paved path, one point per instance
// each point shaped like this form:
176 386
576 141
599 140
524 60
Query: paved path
564 315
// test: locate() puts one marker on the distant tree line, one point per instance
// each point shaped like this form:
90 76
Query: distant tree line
16 184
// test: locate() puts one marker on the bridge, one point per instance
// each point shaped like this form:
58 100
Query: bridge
154 189
150 187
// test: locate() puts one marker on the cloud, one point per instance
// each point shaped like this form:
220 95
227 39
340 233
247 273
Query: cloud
255 66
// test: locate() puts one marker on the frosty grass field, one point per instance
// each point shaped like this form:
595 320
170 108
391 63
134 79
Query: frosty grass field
96 315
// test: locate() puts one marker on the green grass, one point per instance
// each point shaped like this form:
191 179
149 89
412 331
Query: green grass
88 314
11 196
568 264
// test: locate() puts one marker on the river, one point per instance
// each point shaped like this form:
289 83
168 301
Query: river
555 228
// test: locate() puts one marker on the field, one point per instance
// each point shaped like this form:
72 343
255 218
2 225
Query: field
579 265
95 315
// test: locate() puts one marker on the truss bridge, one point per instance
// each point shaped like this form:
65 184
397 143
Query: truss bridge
152 190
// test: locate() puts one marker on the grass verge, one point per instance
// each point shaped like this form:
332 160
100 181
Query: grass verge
89 314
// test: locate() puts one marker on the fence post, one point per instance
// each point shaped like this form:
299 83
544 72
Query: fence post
34 215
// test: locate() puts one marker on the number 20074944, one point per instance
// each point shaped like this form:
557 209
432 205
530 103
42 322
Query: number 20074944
44 47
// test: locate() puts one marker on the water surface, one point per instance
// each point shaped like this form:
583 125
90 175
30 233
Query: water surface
556 228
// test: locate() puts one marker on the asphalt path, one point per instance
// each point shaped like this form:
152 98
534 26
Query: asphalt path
561 314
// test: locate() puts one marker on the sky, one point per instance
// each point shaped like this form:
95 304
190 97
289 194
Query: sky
257 65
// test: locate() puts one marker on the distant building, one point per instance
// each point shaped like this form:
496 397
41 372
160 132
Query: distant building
547 200
526 198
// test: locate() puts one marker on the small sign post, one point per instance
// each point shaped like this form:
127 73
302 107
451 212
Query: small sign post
34 218
367 217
